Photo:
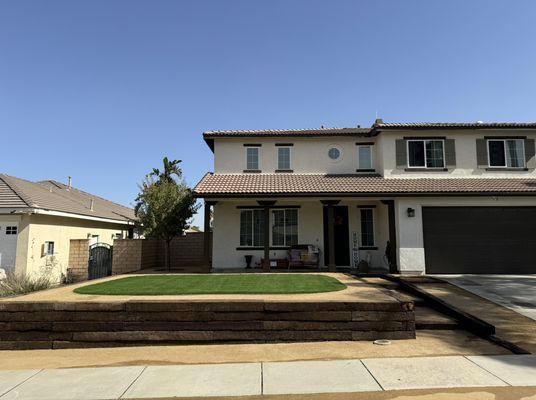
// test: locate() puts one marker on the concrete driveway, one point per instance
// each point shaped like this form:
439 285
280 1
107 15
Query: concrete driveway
516 292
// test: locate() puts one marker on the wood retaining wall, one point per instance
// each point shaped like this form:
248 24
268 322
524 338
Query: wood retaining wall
45 325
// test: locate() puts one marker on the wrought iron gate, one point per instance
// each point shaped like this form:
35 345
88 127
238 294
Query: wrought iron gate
100 261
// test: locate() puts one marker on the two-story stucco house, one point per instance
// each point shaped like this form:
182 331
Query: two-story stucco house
447 197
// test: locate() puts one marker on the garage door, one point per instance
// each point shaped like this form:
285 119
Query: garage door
480 240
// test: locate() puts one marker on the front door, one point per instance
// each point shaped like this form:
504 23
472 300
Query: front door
342 241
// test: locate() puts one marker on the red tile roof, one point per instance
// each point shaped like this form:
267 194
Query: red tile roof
376 128
456 125
214 185
209 136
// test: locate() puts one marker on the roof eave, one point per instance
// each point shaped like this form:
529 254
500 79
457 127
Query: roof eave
355 194
57 213
378 128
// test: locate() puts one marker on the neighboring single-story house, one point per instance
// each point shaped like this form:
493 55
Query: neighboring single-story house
38 220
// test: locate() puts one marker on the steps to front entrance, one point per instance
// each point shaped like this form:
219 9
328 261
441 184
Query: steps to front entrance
45 325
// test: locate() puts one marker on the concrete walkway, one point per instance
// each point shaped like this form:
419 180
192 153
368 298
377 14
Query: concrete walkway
273 378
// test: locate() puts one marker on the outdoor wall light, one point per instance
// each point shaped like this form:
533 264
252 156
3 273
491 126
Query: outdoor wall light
411 212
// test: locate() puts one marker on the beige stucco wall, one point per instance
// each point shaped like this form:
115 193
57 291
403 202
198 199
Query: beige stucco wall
466 164
411 257
42 228
308 155
310 230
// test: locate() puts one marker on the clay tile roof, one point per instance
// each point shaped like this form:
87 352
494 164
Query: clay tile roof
289 132
214 185
56 196
456 125
209 136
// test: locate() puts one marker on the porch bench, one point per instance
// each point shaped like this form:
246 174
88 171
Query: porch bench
304 256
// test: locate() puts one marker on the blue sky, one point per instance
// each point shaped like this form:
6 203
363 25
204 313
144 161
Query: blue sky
102 90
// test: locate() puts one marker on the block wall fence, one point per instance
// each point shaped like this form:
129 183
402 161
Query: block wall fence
78 259
131 255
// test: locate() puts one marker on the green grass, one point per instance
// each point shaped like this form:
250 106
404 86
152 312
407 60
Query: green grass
215 284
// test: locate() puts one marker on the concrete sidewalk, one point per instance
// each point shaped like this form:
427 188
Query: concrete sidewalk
272 378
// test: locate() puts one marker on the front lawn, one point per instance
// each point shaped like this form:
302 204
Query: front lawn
215 284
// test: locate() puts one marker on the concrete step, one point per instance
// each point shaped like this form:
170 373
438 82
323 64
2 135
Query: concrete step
428 318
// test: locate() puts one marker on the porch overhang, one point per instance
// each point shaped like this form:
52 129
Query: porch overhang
267 186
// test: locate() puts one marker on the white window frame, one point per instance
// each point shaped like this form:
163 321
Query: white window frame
373 213
47 248
272 220
258 148
289 158
505 153
371 156
425 158
252 245
11 230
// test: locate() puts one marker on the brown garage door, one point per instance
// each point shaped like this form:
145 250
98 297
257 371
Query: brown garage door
480 240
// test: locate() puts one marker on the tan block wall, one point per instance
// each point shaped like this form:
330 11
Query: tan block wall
187 251
130 255
152 254
127 256
78 259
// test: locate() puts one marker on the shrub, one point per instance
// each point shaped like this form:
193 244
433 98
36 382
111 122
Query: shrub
14 284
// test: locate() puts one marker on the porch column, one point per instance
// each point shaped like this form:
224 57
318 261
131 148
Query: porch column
207 235
393 267
331 233
266 208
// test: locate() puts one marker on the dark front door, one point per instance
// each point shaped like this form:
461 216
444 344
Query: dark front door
479 240
100 261
342 241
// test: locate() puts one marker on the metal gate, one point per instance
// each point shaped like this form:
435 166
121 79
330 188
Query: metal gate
100 260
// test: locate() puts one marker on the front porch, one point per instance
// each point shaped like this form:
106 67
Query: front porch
303 234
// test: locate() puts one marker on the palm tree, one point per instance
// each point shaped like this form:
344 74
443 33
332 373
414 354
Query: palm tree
170 168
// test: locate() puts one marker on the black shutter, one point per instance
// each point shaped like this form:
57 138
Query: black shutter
481 153
450 153
530 153
401 156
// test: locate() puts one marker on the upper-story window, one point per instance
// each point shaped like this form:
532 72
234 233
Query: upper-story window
506 153
252 158
11 230
283 158
426 153
364 157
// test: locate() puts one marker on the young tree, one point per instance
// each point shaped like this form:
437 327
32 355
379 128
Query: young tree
164 205
171 169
